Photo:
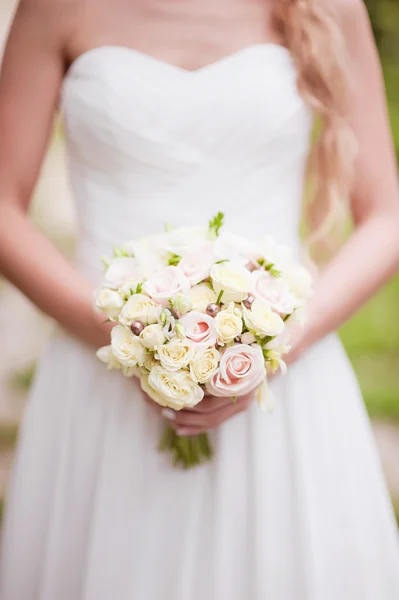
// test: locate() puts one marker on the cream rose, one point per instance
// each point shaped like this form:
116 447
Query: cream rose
260 318
110 302
120 269
152 336
107 357
228 324
174 389
140 307
166 284
204 365
233 279
149 390
202 295
126 347
241 370
199 329
176 355
273 290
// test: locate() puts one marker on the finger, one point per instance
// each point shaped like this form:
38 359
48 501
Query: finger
214 403
183 424
190 431
185 419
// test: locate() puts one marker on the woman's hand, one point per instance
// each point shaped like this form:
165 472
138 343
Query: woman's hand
208 414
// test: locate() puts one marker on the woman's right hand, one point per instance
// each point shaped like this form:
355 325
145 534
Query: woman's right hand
209 414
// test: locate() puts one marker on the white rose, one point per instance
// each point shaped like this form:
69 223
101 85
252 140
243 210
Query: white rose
166 284
182 304
107 357
202 295
140 307
181 240
152 336
147 253
233 279
278 255
120 269
175 389
261 318
196 265
236 248
204 365
176 355
126 347
299 281
228 324
129 287
110 302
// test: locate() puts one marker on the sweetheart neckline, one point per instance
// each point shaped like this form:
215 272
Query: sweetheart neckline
92 52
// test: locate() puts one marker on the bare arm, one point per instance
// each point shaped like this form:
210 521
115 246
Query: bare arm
29 87
371 256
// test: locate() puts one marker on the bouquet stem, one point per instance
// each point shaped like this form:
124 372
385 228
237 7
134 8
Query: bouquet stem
186 452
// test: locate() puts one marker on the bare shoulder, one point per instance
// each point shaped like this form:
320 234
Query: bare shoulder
48 6
52 20
57 14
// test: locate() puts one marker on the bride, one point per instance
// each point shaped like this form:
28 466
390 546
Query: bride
175 110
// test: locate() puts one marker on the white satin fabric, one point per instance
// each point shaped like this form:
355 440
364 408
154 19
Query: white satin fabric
294 506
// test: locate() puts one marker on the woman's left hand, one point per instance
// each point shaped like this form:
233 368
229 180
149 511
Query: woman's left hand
208 414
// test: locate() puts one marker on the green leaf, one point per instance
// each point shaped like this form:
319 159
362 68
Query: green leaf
219 262
264 340
139 287
173 259
216 223
219 298
119 252
272 270
105 262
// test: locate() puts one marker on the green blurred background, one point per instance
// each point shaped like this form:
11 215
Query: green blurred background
371 337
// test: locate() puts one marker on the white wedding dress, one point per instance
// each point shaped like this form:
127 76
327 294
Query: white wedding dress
294 505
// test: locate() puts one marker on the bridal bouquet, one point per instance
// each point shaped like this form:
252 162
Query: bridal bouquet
199 311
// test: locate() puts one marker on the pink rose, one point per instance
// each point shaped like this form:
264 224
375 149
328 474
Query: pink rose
241 370
273 290
200 329
166 283
196 265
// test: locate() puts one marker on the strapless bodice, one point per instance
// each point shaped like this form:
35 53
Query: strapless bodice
150 143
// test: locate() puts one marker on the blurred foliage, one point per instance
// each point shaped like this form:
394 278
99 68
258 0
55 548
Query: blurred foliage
372 336
22 380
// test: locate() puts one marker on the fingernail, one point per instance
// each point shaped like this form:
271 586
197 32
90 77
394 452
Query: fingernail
168 413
